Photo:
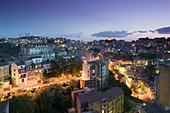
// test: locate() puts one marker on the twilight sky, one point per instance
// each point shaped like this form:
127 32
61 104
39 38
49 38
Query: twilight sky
85 19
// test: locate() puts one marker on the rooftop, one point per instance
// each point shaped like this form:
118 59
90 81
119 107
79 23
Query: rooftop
95 96
98 62
3 64
20 63
153 109
165 63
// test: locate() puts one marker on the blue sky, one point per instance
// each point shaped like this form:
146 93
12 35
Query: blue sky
85 19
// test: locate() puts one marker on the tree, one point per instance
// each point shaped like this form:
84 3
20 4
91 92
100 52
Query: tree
112 82
44 101
150 71
22 104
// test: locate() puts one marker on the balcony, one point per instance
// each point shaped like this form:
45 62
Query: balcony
103 103
104 108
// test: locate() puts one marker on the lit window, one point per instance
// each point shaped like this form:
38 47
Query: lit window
93 71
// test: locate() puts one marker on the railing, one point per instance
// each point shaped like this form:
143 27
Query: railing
104 103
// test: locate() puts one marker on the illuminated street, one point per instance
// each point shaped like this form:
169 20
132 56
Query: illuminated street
141 94
59 80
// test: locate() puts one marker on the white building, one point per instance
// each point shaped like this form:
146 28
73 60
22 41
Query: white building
45 51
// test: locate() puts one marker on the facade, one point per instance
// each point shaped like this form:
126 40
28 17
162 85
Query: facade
27 72
74 94
156 87
4 71
47 66
45 51
34 70
97 71
4 76
110 101
19 74
164 84
34 74
61 53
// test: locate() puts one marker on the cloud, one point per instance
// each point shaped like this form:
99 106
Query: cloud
152 31
142 31
112 34
76 35
164 30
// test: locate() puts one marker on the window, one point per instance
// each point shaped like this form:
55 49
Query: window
22 80
93 71
14 74
14 69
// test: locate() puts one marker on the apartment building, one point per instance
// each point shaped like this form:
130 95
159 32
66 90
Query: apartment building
4 76
4 71
34 74
45 51
74 94
95 72
156 87
164 84
110 101
19 74
27 72
34 70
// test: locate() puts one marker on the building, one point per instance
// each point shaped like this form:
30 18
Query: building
74 94
164 85
4 106
28 72
19 74
47 66
110 101
45 51
161 103
35 71
153 108
4 76
95 72
34 74
156 87
4 71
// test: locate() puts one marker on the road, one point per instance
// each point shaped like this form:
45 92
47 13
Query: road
50 81
143 96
